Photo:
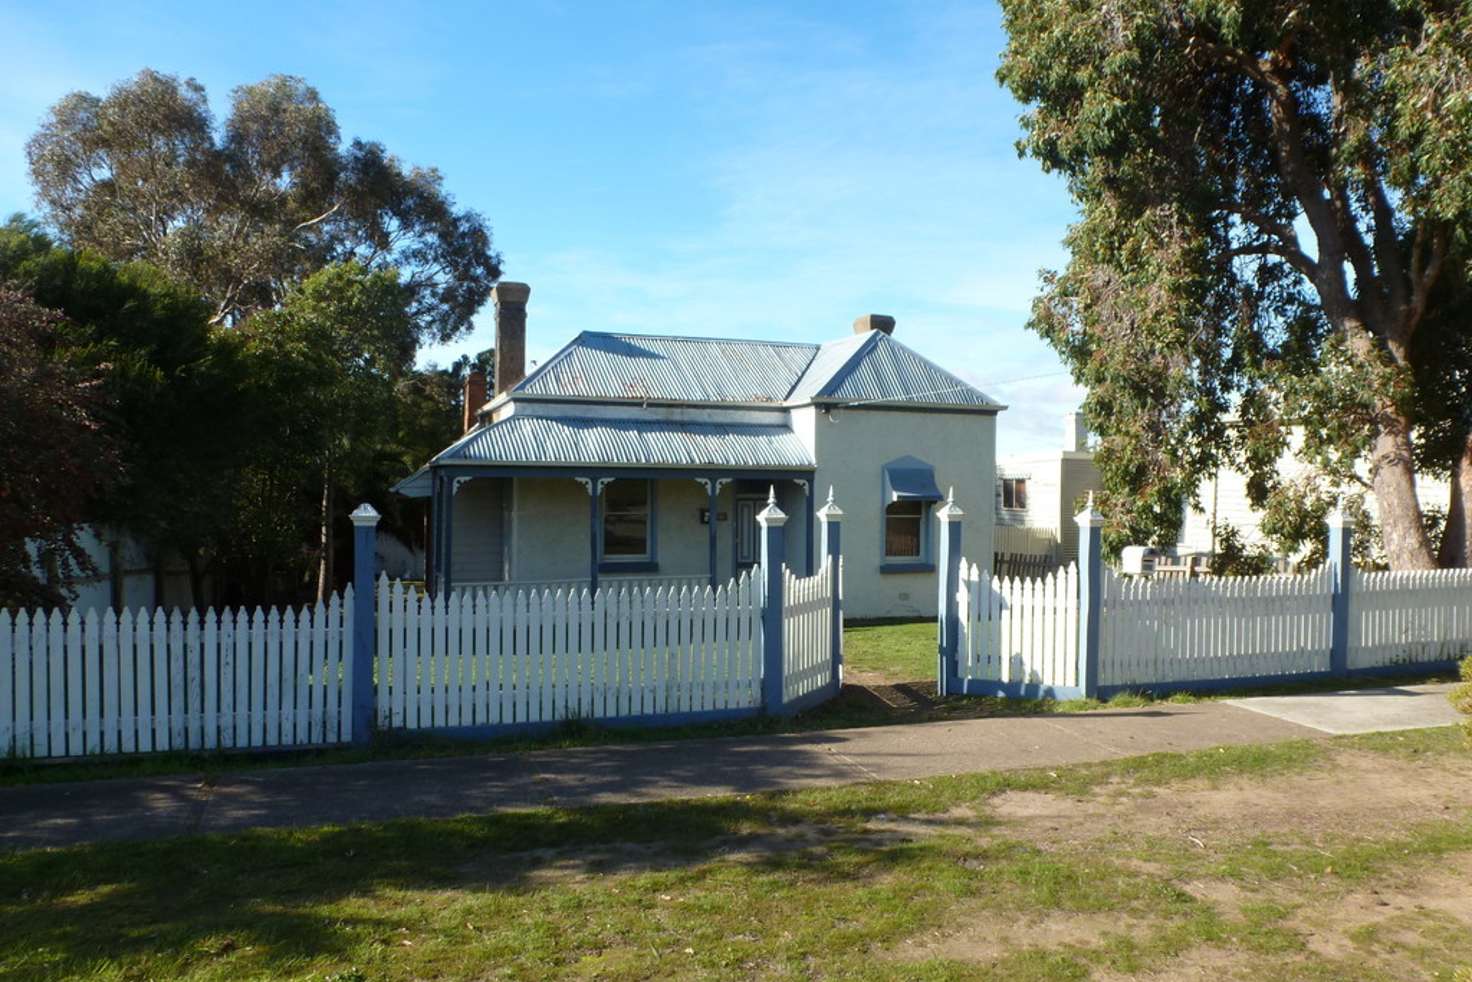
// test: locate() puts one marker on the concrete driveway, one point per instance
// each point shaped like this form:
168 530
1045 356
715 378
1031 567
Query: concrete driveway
1406 707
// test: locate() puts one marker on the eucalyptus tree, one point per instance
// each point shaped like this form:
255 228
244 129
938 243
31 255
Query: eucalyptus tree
1275 199
245 209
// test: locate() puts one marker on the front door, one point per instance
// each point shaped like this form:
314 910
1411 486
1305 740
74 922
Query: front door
748 543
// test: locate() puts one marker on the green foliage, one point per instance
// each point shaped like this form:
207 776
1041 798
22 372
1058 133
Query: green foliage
1461 696
1234 557
140 174
55 456
1269 222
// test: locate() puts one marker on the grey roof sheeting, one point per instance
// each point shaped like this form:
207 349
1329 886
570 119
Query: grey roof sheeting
865 368
626 366
567 441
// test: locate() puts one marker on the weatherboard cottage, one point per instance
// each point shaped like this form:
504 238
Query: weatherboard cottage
646 459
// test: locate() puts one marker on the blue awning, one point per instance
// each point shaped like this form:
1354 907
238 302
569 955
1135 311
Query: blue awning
910 479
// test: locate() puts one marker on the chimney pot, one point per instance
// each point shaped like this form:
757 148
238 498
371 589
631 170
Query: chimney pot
474 396
874 322
510 300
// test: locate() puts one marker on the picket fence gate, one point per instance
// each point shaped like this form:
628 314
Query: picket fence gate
1092 632
504 658
808 665
1016 630
154 680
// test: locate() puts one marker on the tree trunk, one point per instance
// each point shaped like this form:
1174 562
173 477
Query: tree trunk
1393 478
325 559
1456 544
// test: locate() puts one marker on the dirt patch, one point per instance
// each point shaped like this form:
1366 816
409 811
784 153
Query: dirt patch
986 939
1359 795
1445 890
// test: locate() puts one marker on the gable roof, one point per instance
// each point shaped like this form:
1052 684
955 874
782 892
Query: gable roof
862 368
679 369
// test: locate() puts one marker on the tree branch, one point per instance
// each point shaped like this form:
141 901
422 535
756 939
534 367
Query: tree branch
320 218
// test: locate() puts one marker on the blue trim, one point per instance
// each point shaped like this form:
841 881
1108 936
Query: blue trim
1090 605
907 568
774 556
365 555
947 607
1341 572
491 731
1010 690
1403 670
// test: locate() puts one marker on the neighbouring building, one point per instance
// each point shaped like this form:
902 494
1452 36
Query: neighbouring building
1037 496
646 458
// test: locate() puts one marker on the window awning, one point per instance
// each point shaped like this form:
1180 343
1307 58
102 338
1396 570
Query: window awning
910 479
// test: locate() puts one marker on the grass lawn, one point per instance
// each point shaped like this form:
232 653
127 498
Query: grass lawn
1346 858
890 651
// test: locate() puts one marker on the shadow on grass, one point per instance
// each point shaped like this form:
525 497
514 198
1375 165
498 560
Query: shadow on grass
285 897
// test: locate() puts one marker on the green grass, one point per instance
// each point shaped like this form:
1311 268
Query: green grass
776 885
891 651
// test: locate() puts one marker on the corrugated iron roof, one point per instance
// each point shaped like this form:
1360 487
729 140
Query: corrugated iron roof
629 366
883 370
830 360
871 367
559 440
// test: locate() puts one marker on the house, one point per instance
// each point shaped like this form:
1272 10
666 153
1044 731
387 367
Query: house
1038 494
645 458
1221 501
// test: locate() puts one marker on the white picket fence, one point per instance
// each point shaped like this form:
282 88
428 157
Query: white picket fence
807 631
1016 630
154 680
1405 618
494 658
1175 629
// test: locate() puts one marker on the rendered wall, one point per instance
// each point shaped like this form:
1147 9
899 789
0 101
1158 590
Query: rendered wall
851 448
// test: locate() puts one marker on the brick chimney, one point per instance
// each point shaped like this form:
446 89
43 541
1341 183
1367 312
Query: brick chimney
874 322
510 300
474 396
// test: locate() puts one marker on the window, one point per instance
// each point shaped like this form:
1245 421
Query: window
904 530
626 520
1014 493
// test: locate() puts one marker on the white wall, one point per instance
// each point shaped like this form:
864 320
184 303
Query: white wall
549 539
1223 498
851 448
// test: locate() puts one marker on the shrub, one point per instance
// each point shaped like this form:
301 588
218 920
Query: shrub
1461 696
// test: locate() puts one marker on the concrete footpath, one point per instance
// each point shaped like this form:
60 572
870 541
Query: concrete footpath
63 814
58 814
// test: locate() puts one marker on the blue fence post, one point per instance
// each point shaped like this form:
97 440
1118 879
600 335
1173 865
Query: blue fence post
830 520
774 556
365 554
1341 569
1090 585
947 609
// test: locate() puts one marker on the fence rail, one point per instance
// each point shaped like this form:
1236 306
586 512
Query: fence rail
538 656
155 680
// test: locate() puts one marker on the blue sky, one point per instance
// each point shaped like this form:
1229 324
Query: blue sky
737 171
